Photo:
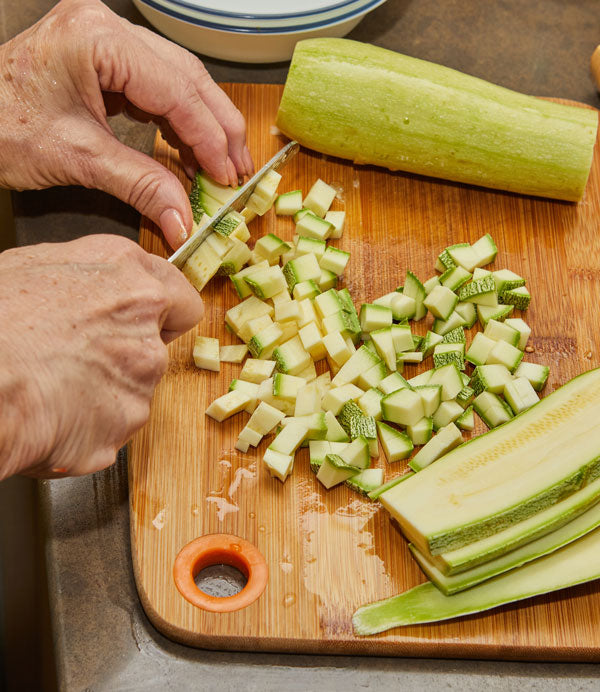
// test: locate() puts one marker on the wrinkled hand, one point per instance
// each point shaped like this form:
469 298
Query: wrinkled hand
60 78
82 347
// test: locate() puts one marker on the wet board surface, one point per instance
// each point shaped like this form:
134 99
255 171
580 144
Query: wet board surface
329 552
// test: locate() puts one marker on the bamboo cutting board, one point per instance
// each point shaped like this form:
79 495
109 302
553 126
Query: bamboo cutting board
329 552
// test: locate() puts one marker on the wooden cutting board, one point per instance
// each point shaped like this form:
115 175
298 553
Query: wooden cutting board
329 552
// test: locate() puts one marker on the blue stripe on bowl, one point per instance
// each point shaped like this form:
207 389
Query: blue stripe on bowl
258 30
243 15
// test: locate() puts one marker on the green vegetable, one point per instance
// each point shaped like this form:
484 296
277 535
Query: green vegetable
371 105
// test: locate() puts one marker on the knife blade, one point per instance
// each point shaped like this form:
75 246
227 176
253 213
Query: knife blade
236 203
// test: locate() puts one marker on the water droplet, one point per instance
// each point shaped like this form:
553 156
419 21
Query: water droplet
588 355
252 515
406 120
311 560
289 599
261 528
236 547
529 349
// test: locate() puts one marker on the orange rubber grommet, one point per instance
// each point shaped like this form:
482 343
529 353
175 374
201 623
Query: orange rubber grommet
220 549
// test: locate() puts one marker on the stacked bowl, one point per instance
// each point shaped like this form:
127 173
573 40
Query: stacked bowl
257 32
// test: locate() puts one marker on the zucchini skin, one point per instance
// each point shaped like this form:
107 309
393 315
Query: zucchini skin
371 105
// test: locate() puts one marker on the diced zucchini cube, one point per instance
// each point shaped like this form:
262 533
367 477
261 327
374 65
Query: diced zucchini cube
447 412
466 421
430 284
501 331
336 397
420 433
373 376
337 348
334 260
306 246
414 289
337 218
374 317
402 338
271 247
370 403
506 280
454 278
431 397
335 432
522 328
261 345
356 453
291 356
499 312
314 227
536 374
404 407
279 465
492 410
481 292
306 290
206 353
468 312
464 255
265 418
392 383
303 268
396 444
449 353
519 297
449 377
319 197
480 349
312 341
382 338
257 371
227 405
485 249
446 439
267 282
520 395
505 354
233 354
442 327
288 203
334 470
201 266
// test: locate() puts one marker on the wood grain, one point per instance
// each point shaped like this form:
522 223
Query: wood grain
330 551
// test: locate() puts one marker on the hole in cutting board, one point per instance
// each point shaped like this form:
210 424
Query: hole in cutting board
220 581
220 573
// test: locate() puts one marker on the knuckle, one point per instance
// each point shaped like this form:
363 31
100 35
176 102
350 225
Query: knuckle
144 189
237 124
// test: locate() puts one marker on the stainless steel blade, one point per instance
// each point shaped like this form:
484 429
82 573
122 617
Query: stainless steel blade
236 203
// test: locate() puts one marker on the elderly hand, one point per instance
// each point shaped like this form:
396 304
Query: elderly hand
60 78
81 349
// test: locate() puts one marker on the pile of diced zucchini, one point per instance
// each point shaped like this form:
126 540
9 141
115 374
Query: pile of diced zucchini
292 316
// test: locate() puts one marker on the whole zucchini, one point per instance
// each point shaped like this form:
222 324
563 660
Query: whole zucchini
372 105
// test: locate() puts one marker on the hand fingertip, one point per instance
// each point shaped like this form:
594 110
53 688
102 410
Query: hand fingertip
232 173
173 228
248 161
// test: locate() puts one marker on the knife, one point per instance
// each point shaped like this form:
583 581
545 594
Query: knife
236 203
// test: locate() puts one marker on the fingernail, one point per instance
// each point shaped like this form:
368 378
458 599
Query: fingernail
248 161
231 173
172 226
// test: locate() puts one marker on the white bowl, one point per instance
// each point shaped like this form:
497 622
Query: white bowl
246 44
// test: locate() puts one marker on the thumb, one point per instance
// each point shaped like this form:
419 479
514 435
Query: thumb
146 185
